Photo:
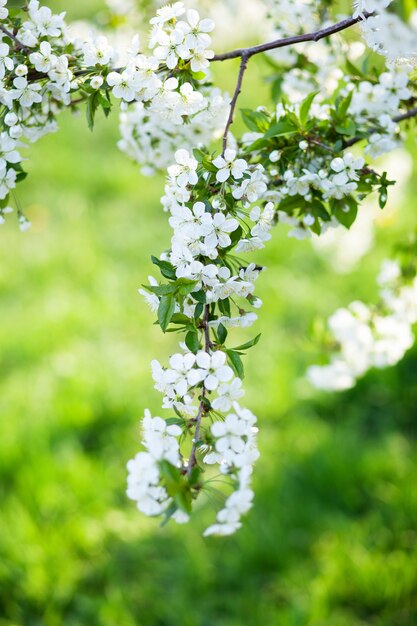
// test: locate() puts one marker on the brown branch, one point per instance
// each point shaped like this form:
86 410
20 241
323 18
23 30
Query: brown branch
246 53
19 45
207 344
408 115
405 116
289 41
238 89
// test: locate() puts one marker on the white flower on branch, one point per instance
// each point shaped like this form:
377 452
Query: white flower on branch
212 370
228 166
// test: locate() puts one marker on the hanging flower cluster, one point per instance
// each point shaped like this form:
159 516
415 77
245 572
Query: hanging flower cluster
209 290
296 165
368 337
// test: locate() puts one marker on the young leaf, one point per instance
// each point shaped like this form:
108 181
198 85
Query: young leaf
306 106
192 341
92 104
255 120
221 333
280 129
185 286
248 344
166 311
166 268
236 363
224 307
199 308
183 500
346 211
200 296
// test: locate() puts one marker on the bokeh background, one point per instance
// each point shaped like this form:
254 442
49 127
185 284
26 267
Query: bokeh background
331 540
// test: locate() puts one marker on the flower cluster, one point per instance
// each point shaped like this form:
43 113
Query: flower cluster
175 41
312 184
151 139
388 35
43 69
206 282
160 479
369 337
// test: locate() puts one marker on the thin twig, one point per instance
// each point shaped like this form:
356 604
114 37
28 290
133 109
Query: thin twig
405 116
243 66
408 115
289 41
320 144
13 37
246 53
207 343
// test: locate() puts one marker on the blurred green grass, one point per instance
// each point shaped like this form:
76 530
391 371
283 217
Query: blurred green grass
332 538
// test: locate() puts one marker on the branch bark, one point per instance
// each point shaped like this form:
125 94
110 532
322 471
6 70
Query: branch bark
289 41
408 115
19 45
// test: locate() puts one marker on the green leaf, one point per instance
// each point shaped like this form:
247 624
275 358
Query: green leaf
348 128
343 105
280 129
180 318
192 341
170 473
346 211
276 89
161 290
198 75
185 286
166 311
16 4
199 155
198 310
21 176
383 197
259 144
169 513
290 203
221 333
249 344
306 106
255 120
195 474
92 104
175 421
208 165
236 363
183 500
224 307
200 296
166 268
353 70
105 103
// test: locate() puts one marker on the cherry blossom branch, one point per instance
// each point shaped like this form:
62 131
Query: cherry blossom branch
192 460
289 41
246 53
